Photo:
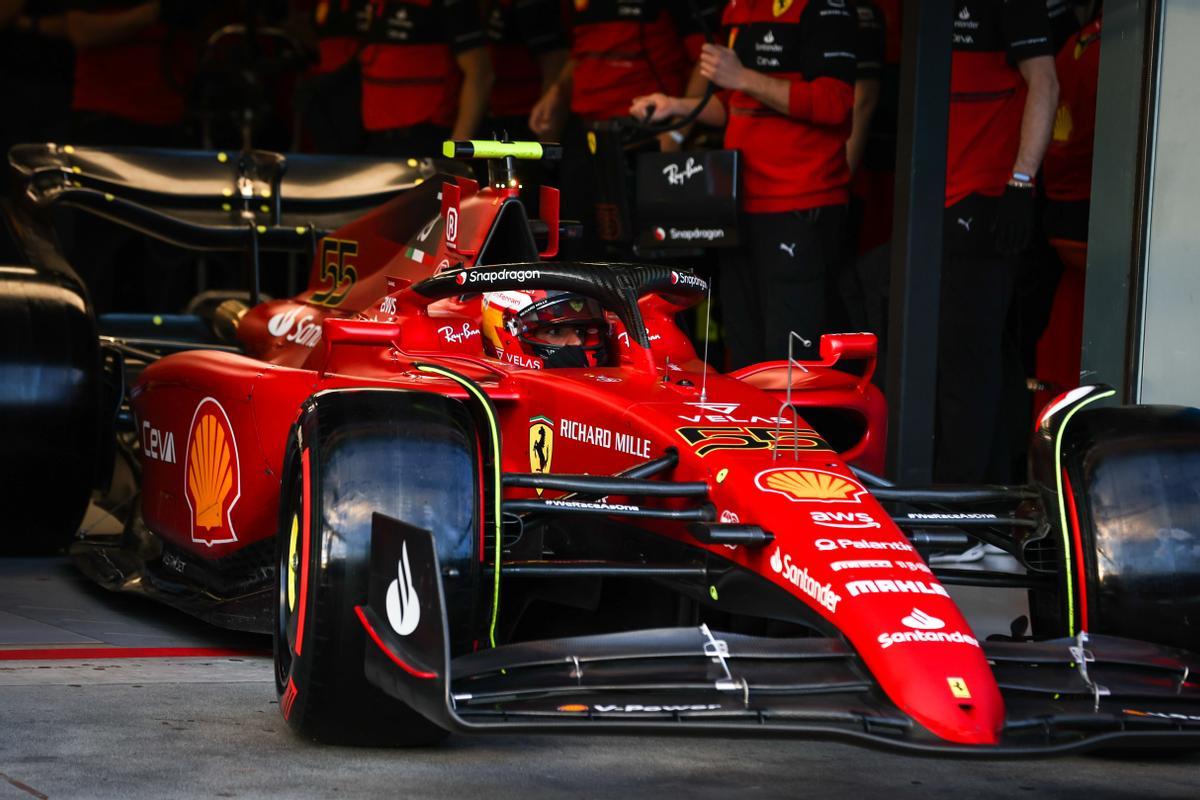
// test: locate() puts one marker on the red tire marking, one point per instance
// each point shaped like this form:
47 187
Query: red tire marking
397 660
1078 542
75 653
306 510
289 699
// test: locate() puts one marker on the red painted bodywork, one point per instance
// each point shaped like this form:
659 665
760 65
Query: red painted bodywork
604 421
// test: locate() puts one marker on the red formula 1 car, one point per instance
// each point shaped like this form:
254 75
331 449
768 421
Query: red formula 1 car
444 540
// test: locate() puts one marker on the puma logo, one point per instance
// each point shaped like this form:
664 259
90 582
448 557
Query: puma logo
966 223
790 249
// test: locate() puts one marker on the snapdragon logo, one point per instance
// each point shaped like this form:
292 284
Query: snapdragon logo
697 234
688 279
798 576
477 275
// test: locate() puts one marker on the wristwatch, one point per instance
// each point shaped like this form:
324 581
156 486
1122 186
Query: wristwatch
1021 180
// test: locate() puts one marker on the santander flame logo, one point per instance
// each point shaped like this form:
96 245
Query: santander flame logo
777 561
403 605
282 322
920 621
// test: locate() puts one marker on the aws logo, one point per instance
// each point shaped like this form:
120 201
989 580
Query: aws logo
213 480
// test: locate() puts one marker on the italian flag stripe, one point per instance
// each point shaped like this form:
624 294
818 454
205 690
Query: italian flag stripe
416 255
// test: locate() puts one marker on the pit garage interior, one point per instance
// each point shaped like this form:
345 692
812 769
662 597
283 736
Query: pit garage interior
104 695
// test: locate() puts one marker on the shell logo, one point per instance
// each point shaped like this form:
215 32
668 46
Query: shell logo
816 485
213 483
573 708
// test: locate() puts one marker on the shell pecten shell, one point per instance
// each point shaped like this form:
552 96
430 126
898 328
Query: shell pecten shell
804 484
210 473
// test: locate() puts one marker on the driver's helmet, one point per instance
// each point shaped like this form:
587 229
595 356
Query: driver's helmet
545 328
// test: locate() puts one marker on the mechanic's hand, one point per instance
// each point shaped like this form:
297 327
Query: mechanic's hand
549 114
1015 216
722 66
658 105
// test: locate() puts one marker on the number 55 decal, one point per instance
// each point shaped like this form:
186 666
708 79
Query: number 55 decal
338 274
711 438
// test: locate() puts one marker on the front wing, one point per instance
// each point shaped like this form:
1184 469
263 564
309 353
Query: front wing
1061 696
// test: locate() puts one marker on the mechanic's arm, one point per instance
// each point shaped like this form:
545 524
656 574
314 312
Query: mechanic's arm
823 101
672 141
551 66
91 29
476 66
866 99
1037 121
549 113
666 107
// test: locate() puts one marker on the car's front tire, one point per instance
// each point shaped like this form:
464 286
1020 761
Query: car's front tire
411 456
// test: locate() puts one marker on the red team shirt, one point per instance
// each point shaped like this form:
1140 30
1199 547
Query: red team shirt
795 161
409 72
339 25
129 79
626 48
1068 167
987 92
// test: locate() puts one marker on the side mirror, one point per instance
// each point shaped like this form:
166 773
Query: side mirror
853 346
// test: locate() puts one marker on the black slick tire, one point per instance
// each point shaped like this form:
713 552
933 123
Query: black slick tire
409 455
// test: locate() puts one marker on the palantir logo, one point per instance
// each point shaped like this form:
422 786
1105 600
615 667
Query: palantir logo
403 605
920 621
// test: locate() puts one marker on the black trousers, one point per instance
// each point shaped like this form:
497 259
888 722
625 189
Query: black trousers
979 373
775 283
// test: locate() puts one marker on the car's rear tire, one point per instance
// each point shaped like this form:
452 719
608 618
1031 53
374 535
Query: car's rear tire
409 455
50 395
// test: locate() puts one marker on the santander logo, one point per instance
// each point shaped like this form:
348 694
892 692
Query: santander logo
403 605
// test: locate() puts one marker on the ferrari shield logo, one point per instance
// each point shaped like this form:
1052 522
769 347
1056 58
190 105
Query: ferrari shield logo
780 7
541 445
958 688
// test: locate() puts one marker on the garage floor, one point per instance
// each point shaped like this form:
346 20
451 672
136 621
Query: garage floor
111 696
